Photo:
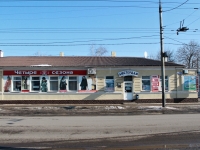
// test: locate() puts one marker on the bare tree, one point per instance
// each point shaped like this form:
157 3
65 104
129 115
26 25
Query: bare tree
188 54
170 54
38 53
152 56
99 51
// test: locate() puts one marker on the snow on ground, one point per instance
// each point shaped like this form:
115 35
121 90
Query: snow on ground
114 107
155 108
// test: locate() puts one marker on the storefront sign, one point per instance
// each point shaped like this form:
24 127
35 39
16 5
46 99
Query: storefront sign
155 83
45 72
127 73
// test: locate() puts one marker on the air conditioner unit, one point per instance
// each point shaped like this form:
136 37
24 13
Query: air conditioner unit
185 71
91 70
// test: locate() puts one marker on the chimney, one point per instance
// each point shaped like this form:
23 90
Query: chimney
61 53
145 54
1 53
113 54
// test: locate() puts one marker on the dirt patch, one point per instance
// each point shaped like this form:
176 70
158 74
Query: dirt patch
95 110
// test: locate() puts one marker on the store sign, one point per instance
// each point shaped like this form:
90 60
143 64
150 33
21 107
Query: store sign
155 83
128 73
45 72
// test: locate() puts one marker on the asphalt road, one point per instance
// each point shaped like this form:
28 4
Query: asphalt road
101 132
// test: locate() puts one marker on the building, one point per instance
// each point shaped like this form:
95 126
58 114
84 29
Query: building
87 79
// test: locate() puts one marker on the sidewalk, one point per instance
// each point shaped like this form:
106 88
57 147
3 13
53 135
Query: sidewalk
102 109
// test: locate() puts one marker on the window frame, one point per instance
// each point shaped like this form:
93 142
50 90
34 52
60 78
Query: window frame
111 80
31 81
160 82
68 83
14 85
149 79
53 80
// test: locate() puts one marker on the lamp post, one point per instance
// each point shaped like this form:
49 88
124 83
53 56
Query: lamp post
162 56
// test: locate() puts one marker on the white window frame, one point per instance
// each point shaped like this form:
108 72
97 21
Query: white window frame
49 87
16 80
77 87
31 80
109 80
160 84
149 79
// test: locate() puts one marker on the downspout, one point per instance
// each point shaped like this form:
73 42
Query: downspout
176 81
1 85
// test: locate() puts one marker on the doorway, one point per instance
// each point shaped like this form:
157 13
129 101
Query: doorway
128 88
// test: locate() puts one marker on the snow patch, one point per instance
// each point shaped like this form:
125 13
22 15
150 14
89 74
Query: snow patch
114 107
155 108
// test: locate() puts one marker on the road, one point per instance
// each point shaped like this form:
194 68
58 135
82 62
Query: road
56 131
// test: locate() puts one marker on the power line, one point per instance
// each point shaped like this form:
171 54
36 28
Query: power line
76 44
176 7
97 40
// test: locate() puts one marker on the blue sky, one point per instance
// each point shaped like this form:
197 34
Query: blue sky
128 27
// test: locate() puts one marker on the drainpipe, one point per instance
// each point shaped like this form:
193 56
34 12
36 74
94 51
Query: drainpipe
2 85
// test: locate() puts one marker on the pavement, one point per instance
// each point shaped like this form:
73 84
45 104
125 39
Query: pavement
95 110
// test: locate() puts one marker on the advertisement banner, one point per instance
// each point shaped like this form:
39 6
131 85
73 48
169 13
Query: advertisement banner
189 83
155 83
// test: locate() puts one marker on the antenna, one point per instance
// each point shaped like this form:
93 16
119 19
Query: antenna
182 28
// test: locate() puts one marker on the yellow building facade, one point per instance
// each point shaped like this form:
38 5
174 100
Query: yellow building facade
103 80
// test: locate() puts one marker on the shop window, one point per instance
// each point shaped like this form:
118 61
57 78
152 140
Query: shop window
146 83
63 83
44 84
7 84
25 83
35 84
109 84
73 83
17 83
53 83
166 83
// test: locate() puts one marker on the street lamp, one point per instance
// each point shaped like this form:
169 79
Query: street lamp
165 56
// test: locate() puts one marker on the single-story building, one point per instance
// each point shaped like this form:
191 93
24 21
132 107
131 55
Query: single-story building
89 79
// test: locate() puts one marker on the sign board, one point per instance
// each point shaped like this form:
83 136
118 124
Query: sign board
155 83
128 73
44 72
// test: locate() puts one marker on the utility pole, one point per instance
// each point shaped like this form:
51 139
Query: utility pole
162 58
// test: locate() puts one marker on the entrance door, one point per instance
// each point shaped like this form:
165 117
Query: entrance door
128 88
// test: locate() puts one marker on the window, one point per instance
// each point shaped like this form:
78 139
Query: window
7 84
146 83
35 84
53 83
109 84
17 83
73 83
128 78
166 83
25 83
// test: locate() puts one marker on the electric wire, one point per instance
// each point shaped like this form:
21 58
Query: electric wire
176 7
